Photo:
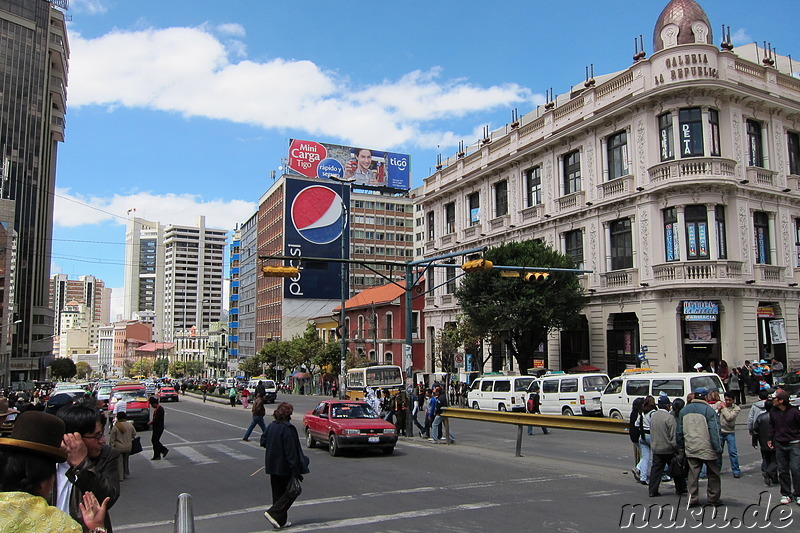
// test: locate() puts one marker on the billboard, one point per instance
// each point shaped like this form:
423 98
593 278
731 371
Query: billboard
364 165
313 228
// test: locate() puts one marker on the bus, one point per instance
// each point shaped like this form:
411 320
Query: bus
383 377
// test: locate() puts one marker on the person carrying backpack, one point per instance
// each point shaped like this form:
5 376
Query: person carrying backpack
533 406
635 434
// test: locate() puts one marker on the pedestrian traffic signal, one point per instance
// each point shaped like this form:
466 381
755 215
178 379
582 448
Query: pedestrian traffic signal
476 265
279 271
537 276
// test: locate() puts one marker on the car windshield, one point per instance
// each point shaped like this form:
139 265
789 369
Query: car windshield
104 390
167 389
132 396
521 384
595 383
353 410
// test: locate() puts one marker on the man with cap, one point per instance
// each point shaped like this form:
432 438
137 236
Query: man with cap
664 448
784 438
698 435
698 367
7 416
27 474
727 421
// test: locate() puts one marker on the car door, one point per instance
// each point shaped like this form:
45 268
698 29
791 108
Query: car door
548 397
485 400
317 420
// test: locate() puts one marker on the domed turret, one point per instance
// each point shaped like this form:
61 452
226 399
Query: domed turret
681 22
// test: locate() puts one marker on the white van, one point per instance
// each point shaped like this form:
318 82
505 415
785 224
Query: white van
632 384
269 384
499 393
571 394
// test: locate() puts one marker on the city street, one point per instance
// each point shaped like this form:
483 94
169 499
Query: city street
568 481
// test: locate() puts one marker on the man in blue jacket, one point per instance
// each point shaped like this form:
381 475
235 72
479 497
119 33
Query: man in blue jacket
698 434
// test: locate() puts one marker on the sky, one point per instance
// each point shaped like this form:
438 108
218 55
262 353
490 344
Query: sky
180 108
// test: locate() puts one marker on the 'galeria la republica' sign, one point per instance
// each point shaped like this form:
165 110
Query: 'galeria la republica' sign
685 67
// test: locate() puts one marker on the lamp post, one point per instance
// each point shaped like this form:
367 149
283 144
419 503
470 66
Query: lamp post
6 359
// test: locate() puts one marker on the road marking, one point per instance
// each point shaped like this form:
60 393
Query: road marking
209 419
176 436
603 493
193 455
230 452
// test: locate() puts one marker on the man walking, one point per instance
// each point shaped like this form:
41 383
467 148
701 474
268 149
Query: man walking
664 449
698 434
533 406
259 412
727 420
158 429
784 438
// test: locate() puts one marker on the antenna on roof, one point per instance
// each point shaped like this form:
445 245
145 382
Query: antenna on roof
726 39
514 118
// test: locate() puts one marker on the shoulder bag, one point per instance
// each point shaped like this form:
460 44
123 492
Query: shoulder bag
136 445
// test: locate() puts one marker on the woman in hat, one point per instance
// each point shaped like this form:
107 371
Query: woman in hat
27 474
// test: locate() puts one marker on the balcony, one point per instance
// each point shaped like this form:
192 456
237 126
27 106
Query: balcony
499 222
571 202
761 176
615 188
696 167
698 271
472 231
767 273
620 279
535 212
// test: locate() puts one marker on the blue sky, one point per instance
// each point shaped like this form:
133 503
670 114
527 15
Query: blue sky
179 108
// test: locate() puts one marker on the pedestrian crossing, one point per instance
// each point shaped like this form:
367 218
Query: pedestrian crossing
202 453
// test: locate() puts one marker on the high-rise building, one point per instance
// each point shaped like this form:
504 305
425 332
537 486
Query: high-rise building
33 78
86 290
144 274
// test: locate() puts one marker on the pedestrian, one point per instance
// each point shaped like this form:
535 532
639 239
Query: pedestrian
91 465
121 439
533 406
438 402
760 433
399 405
419 406
735 386
157 422
664 449
643 423
635 435
283 461
183 388
204 388
121 406
727 432
784 438
28 461
232 396
245 397
724 372
258 412
334 389
777 371
261 389
698 434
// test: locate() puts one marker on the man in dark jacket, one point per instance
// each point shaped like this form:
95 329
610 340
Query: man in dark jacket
91 466
258 412
760 433
784 437
158 429
698 434
664 448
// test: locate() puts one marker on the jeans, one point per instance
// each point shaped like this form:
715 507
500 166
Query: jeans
437 429
768 464
733 453
257 421
788 459
644 462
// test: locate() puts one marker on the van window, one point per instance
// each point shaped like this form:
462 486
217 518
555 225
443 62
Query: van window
594 383
615 387
476 385
502 386
709 382
638 387
670 387
486 386
550 385
569 385
521 384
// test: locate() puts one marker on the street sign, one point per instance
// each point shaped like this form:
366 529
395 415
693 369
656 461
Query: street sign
509 274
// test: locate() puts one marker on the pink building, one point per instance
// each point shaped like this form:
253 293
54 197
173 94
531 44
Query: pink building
129 335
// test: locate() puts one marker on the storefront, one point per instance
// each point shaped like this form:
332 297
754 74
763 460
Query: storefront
700 332
771 332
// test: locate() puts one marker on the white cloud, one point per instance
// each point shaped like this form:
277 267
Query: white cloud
72 210
91 7
190 71
740 37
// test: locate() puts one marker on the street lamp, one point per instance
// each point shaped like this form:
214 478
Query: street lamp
5 365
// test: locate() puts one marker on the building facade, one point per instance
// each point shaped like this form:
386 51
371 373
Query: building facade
144 274
34 61
675 181
86 290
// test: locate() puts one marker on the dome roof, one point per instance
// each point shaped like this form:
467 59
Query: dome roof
682 13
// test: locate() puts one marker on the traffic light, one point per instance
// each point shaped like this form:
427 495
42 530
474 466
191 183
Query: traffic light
279 271
537 276
476 265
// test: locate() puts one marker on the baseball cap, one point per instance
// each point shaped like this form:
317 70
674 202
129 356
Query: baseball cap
701 391
663 400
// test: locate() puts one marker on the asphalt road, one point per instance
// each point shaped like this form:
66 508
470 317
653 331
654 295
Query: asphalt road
568 481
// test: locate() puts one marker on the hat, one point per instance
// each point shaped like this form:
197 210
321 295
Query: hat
37 432
4 409
701 392
763 362
698 366
57 401
663 400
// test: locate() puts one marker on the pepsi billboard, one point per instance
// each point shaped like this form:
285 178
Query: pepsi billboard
313 228
365 166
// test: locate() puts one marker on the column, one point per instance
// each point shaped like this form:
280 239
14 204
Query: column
706 131
634 239
604 158
765 151
773 252
713 246
607 233
676 134
680 234
560 169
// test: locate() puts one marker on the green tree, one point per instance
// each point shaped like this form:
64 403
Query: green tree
193 368
161 366
83 370
354 360
142 367
63 368
251 366
448 341
177 369
522 313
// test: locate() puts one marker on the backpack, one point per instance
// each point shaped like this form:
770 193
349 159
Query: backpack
635 426
530 405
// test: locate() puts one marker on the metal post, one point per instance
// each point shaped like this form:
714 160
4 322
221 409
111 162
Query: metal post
408 350
519 440
184 514
344 272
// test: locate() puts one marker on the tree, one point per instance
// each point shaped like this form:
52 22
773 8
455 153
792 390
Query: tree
63 368
448 341
177 369
83 370
193 368
142 367
161 366
252 366
522 313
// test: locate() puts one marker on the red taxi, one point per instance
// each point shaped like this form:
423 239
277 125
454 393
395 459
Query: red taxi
348 424
167 394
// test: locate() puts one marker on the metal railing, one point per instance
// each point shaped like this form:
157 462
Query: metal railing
184 514
578 423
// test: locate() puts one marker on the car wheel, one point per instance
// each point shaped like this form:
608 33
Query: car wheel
616 415
333 446
475 406
310 442
502 407
567 412
388 451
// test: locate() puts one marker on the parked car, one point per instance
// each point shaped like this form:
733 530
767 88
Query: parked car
103 396
137 405
348 424
791 384
570 394
167 394
499 393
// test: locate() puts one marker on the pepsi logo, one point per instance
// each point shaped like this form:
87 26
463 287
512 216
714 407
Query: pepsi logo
317 214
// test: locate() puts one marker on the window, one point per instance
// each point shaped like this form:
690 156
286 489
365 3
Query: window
474 202
431 220
501 198
696 232
665 137
550 385
572 172
621 244
450 218
533 184
486 385
618 155
450 280
671 240
670 387
761 227
713 129
569 385
502 386
793 141
755 157
638 387
691 121
722 243
573 246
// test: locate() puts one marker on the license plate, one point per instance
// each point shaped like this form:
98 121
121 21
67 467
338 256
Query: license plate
374 439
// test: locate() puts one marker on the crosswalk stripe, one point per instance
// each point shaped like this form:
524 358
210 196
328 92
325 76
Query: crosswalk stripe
230 452
193 455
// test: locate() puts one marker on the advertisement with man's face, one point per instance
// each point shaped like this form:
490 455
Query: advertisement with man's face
362 166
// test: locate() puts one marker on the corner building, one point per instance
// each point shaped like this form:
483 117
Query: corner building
676 181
